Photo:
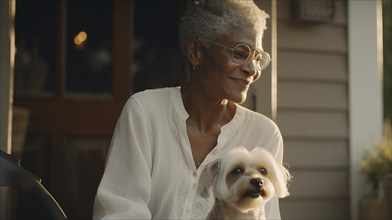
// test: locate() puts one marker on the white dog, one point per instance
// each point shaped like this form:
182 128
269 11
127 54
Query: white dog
242 182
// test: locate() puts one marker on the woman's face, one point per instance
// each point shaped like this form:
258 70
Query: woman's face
223 78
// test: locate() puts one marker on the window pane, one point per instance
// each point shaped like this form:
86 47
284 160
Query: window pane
157 52
89 46
36 46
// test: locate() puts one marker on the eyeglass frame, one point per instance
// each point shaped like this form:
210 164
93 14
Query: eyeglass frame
252 53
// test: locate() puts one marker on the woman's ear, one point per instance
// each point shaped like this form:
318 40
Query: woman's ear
193 51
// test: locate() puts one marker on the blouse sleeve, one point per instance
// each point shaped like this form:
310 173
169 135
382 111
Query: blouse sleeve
275 145
124 190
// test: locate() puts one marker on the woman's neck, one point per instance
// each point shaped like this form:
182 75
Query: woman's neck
206 113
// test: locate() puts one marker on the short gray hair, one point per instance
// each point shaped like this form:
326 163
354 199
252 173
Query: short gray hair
209 19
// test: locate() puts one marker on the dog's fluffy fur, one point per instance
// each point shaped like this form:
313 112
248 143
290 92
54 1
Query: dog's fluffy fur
242 182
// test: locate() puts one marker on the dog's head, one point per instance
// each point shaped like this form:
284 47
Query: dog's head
243 179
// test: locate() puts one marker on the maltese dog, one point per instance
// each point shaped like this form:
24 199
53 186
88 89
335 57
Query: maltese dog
242 182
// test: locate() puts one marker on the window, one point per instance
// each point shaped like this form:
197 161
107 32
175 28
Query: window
64 47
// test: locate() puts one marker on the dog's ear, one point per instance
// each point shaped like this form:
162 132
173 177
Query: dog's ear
283 177
280 177
207 177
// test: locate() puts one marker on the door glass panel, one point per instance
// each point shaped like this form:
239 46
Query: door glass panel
89 64
36 46
157 52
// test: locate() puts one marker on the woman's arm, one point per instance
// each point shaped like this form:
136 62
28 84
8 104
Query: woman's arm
125 188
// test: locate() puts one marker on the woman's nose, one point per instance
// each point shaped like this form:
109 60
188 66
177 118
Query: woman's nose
250 67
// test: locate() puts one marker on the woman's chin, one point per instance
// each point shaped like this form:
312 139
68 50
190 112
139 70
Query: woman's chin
240 99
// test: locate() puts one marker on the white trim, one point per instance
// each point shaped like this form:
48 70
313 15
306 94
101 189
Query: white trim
365 88
6 68
7 12
263 93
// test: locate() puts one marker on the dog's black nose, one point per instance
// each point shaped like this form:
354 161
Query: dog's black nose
256 182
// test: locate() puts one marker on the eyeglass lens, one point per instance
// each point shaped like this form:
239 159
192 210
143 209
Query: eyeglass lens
242 52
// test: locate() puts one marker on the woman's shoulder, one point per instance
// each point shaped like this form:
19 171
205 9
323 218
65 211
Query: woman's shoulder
257 121
158 97
254 117
151 94
152 103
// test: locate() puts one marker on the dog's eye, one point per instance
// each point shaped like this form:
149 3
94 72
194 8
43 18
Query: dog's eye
236 171
263 171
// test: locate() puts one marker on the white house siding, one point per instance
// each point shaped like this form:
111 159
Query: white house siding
313 113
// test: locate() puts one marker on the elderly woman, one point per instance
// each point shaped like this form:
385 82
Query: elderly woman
164 137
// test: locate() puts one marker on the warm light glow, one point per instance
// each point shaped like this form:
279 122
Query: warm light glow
80 38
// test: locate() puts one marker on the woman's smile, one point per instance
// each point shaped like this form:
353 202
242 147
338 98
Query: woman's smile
245 83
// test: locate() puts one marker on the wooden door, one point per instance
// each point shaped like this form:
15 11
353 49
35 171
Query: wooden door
72 73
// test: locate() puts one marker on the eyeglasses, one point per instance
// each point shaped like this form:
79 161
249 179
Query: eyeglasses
241 53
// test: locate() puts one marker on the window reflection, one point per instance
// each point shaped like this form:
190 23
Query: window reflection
35 39
82 60
157 52
89 46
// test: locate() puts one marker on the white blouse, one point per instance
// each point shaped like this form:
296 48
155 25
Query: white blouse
150 173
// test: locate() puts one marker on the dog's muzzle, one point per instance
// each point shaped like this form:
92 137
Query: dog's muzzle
256 182
257 190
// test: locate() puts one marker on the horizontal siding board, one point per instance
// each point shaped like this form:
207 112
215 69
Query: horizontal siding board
333 209
319 184
316 154
312 37
340 13
312 71
311 66
313 124
285 12
312 95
